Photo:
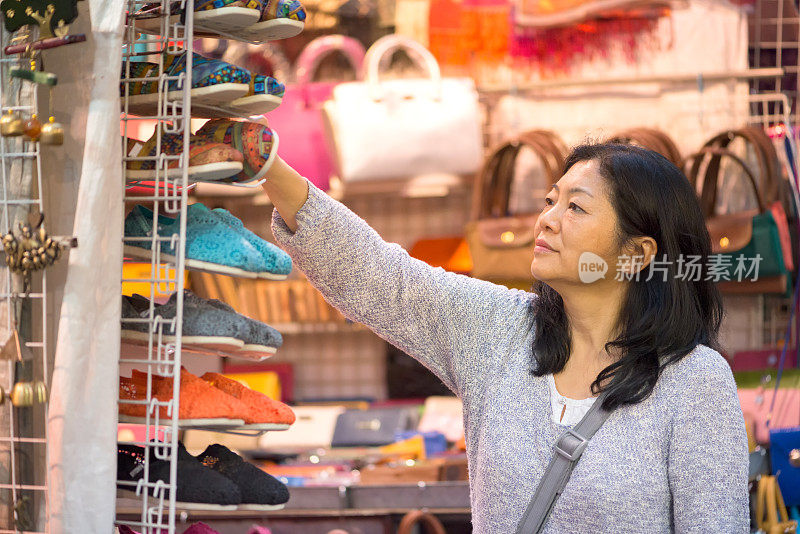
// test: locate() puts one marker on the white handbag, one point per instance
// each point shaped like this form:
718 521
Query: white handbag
402 128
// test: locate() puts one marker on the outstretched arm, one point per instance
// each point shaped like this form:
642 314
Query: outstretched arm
449 322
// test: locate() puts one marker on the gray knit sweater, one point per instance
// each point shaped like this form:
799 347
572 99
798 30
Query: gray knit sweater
676 462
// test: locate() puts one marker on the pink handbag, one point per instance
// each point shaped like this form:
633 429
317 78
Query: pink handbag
756 404
299 120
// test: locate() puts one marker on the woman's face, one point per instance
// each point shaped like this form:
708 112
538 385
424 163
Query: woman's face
577 219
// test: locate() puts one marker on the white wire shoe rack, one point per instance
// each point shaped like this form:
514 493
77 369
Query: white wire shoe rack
167 194
157 498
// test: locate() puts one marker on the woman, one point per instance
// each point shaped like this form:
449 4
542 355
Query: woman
672 456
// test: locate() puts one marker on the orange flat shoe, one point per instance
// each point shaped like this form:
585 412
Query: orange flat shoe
262 408
200 403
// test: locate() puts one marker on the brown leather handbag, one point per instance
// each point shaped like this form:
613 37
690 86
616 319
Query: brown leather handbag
652 139
501 244
762 231
774 189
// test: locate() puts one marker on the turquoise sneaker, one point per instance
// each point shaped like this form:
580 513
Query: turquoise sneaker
211 245
277 262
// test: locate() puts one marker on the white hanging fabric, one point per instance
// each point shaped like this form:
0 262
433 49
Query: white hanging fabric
83 407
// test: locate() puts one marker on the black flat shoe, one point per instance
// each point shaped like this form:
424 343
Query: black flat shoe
198 486
259 490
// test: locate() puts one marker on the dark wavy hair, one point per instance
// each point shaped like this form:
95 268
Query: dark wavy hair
661 320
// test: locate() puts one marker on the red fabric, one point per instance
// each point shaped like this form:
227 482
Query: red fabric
556 49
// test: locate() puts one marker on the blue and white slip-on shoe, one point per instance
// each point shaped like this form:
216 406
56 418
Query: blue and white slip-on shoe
277 263
211 245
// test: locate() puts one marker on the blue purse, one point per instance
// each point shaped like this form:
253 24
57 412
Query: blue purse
785 453
785 442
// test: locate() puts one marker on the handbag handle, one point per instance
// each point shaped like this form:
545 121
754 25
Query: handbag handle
493 182
652 139
385 46
312 55
710 180
249 55
770 507
765 153
413 517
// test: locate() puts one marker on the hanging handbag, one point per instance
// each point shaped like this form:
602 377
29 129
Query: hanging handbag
785 455
771 514
770 184
400 128
785 442
501 245
749 234
569 448
299 118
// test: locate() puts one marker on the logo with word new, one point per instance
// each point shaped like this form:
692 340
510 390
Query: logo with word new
591 267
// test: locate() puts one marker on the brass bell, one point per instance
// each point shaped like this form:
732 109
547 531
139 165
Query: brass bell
39 392
52 133
794 457
11 124
22 394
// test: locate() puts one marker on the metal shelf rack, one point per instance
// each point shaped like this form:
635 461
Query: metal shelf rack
23 306
161 353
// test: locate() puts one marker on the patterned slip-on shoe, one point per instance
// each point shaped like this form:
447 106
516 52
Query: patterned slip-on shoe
280 19
198 487
278 262
265 94
214 82
257 143
265 409
208 161
211 245
259 490
211 17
